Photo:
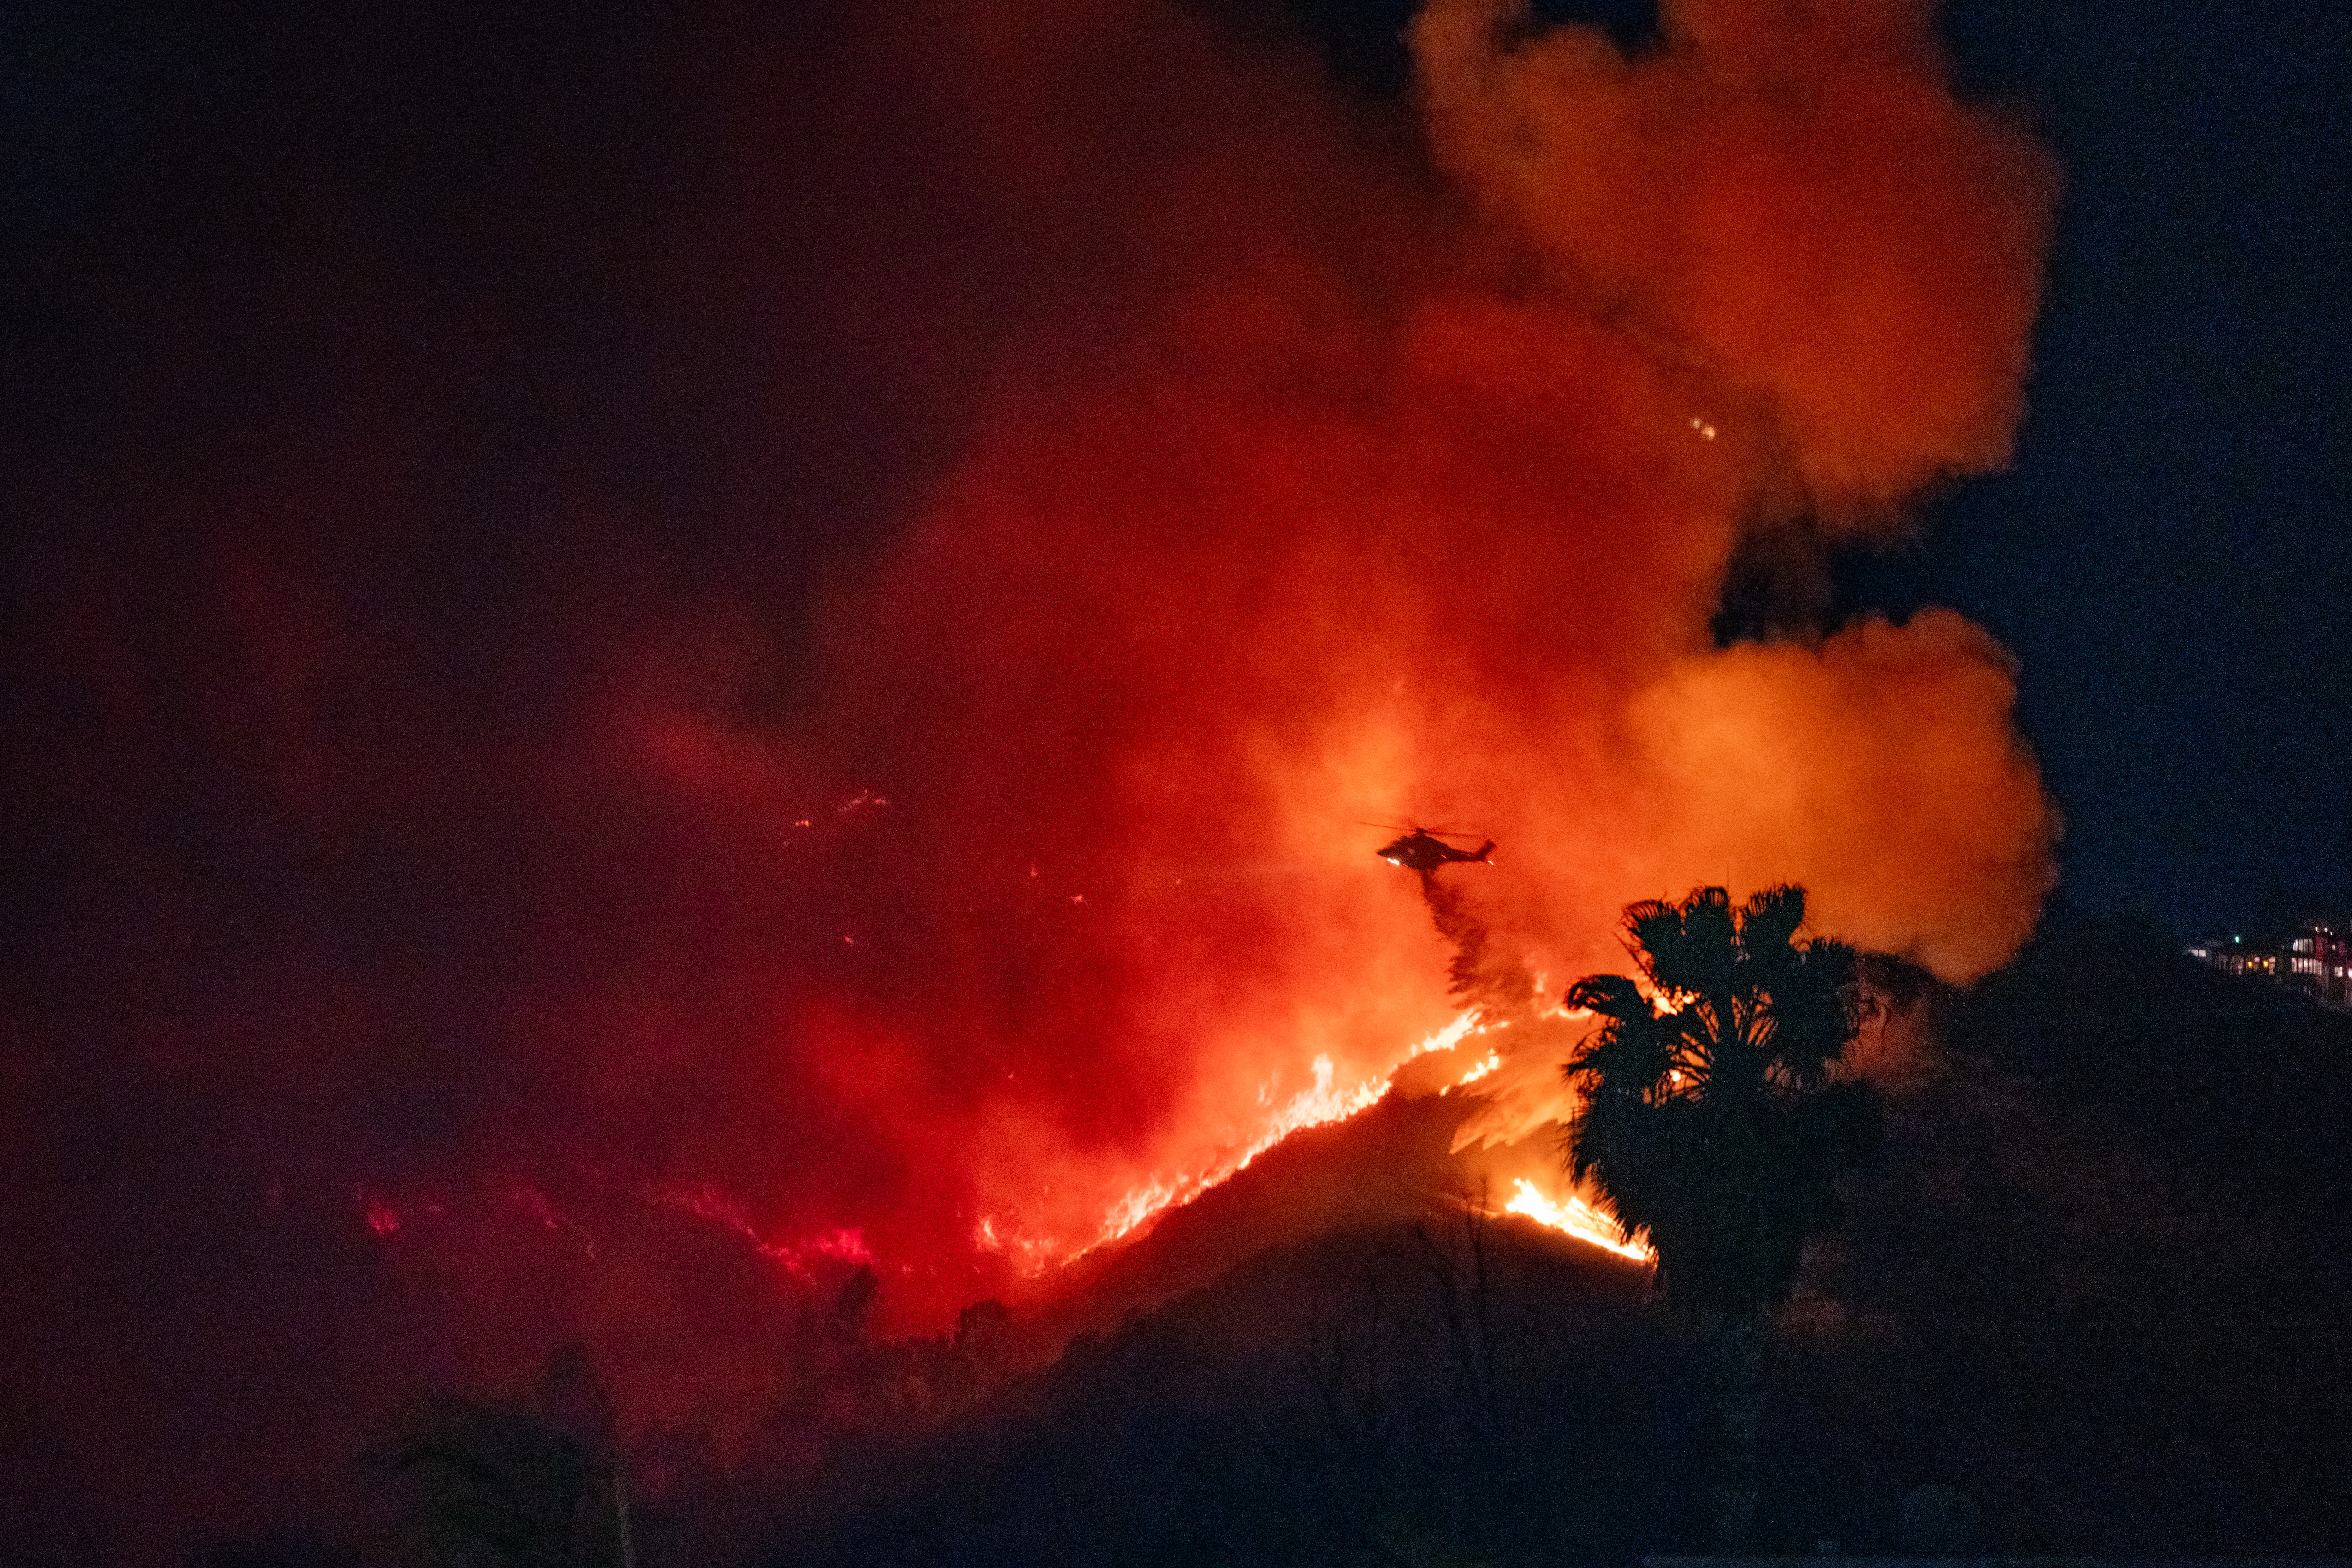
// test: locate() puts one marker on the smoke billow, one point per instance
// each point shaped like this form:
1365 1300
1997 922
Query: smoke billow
1785 196
1318 535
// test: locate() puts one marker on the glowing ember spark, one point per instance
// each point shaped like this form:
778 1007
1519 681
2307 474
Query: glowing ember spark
381 1218
1577 1218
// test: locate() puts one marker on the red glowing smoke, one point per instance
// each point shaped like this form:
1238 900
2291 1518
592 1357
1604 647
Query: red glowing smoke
1364 512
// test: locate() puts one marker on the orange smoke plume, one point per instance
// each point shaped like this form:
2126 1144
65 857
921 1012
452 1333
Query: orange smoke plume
1785 197
1337 509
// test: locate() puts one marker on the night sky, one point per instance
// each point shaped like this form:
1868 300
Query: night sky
440 440
2166 558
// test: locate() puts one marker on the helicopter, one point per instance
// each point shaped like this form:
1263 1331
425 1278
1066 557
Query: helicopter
1425 851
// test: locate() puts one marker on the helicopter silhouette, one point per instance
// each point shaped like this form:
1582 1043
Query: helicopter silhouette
1425 850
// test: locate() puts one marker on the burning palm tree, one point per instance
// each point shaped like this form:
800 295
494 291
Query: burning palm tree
1712 1121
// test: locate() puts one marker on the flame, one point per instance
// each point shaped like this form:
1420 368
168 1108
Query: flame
1142 1204
845 1244
1577 1218
1492 1061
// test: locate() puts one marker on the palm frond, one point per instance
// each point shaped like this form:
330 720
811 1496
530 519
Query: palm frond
1714 1128
1611 995
1769 922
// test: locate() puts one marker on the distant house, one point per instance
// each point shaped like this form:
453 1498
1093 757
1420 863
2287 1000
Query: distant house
2313 959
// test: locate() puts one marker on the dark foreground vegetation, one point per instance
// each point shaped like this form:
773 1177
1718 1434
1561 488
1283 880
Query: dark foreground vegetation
2098 1281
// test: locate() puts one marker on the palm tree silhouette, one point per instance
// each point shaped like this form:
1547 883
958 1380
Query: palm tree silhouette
1712 1121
